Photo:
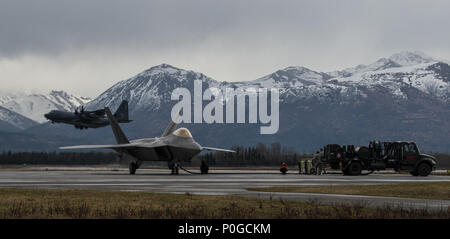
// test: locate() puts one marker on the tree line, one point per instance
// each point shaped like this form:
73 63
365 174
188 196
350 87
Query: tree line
259 155
59 158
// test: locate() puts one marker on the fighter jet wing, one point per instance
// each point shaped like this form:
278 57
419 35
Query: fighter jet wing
105 146
217 149
116 146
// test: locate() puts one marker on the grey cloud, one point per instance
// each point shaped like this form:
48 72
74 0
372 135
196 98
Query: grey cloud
228 40
51 26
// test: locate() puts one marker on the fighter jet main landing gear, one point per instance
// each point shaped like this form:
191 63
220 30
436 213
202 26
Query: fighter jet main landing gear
133 167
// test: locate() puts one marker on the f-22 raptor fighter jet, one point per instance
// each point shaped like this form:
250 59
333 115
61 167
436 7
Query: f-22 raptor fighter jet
174 146
84 119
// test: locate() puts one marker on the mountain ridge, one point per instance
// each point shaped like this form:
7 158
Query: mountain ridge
13 122
402 97
34 106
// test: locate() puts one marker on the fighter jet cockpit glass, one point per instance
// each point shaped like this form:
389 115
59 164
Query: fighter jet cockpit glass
182 132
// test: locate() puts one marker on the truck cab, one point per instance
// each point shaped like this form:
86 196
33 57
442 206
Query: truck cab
400 156
405 156
332 154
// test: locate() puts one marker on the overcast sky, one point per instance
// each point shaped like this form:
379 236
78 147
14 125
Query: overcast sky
84 47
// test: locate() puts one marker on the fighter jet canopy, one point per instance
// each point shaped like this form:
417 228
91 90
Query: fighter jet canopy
182 132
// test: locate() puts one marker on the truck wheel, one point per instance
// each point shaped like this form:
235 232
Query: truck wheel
354 168
423 169
345 171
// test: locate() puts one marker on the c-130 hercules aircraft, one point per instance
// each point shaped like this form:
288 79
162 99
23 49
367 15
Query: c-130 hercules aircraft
84 119
174 146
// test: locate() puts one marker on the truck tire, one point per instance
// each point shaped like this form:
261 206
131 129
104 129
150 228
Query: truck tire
354 168
423 169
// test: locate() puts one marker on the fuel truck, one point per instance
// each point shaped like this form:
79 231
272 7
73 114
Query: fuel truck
400 156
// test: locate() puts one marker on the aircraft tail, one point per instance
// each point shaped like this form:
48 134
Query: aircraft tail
122 113
118 133
172 125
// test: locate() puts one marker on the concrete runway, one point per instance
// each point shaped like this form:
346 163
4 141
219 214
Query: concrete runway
220 182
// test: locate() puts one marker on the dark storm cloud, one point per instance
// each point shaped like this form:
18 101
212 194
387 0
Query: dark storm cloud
228 40
48 26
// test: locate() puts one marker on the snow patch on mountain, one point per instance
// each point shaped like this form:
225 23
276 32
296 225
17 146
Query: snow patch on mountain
400 59
34 106
149 89
393 79
293 76
407 58
16 120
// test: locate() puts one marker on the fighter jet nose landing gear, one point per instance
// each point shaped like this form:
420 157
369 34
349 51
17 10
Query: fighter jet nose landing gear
175 168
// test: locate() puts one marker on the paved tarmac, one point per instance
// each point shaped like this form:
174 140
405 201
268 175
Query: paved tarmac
218 182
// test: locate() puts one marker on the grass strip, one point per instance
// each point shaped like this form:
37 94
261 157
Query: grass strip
55 203
428 190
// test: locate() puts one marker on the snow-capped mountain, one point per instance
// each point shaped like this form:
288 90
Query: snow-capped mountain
406 58
34 106
11 121
149 89
294 76
401 97
396 74
403 58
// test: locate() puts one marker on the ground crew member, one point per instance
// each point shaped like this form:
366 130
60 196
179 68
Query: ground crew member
283 168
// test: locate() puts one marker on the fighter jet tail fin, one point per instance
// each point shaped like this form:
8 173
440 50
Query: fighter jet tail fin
172 126
118 133
122 112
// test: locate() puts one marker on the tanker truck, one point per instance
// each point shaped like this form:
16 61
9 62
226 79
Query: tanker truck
400 156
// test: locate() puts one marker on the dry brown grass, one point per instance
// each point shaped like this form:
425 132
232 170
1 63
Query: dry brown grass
429 190
34 203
